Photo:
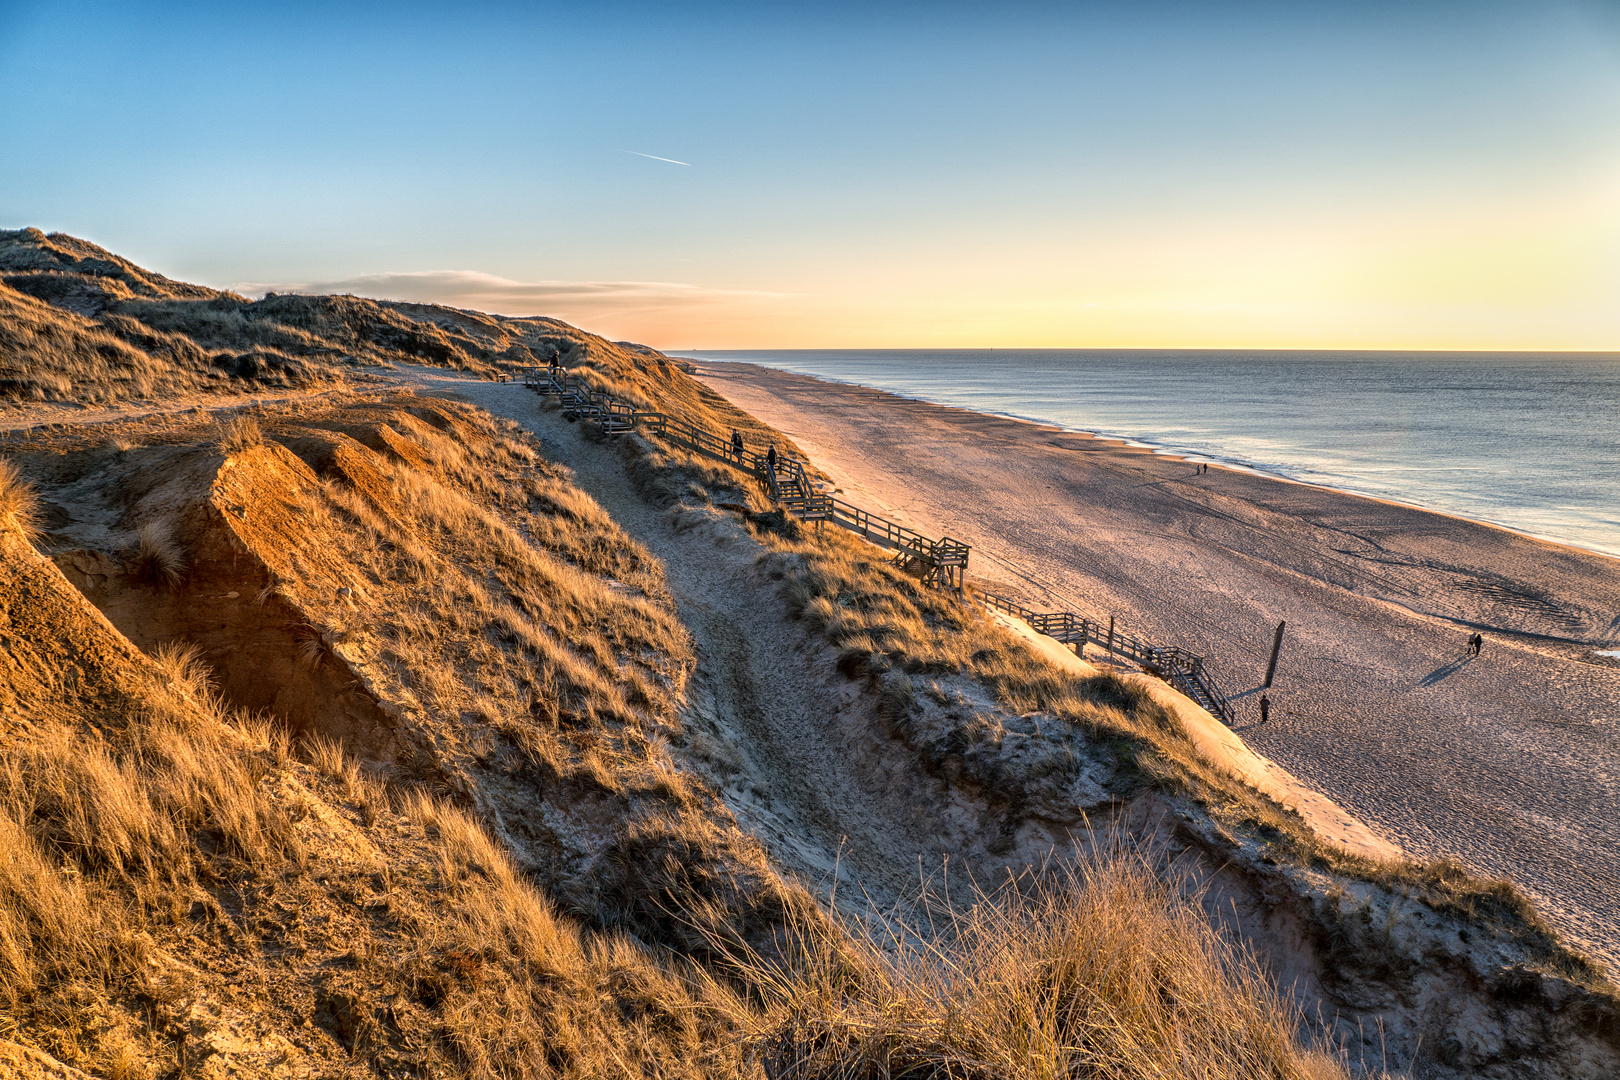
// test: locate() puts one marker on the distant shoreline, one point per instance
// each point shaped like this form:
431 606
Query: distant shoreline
1197 456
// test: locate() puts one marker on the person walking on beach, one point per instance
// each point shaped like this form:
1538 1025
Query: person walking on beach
1265 708
1476 643
736 444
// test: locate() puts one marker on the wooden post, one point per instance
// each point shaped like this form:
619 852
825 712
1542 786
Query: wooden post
1110 637
1276 644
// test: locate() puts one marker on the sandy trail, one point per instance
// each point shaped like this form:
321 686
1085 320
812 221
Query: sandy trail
1509 762
761 689
760 695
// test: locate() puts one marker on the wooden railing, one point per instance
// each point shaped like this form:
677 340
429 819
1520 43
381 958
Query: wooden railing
1186 672
785 478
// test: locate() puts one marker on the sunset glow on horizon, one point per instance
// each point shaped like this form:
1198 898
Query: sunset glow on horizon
1429 176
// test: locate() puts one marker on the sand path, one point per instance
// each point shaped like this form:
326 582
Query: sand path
760 688
1509 762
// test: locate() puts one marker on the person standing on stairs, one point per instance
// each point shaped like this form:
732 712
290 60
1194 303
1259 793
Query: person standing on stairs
770 458
736 444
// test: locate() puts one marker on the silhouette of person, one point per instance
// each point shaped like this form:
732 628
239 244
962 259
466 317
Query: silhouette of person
1478 643
770 458
1265 708
736 443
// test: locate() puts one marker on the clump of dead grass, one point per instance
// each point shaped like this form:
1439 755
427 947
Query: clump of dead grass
157 557
19 505
101 827
1100 970
238 434
140 863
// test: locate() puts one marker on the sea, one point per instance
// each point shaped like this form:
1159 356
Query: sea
1523 440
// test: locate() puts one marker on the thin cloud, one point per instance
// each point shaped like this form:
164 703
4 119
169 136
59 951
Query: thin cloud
504 296
655 157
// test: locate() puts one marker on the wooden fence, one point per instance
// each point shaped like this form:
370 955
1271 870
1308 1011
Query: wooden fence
1186 672
942 562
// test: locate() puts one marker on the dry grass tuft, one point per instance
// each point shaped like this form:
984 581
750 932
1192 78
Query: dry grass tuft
19 505
157 558
1102 970
239 434
98 831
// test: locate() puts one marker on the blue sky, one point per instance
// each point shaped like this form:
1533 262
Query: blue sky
1285 175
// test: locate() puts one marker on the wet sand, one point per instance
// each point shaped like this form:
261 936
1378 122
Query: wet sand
1508 762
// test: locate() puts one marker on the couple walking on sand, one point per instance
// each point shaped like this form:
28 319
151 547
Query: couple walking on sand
1476 643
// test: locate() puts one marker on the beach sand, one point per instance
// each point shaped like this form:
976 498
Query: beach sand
1508 762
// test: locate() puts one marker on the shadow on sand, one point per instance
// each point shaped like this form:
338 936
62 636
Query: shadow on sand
1445 671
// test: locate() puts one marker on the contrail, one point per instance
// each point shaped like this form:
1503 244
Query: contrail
655 157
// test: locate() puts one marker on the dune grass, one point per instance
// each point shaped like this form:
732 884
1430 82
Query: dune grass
19 506
169 847
151 869
1097 970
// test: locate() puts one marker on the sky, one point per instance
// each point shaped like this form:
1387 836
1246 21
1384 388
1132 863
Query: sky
756 175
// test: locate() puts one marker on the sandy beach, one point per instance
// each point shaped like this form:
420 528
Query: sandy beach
1508 762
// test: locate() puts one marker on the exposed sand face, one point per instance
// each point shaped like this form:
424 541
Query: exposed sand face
1509 761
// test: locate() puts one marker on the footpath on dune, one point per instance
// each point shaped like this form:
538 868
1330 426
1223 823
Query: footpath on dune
1508 762
846 785
788 741
767 716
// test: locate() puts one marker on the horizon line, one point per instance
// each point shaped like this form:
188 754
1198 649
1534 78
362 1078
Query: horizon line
1144 348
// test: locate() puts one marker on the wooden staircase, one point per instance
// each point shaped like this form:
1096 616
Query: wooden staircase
1185 671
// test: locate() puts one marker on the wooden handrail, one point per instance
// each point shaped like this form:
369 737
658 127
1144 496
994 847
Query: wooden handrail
1185 671
941 561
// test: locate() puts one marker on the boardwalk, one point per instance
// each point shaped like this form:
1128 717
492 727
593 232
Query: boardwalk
1509 761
